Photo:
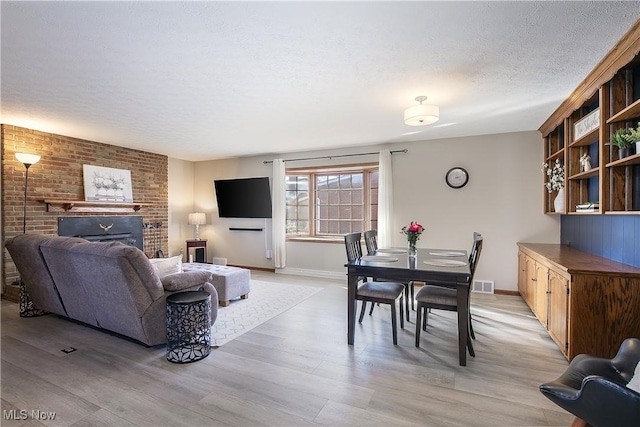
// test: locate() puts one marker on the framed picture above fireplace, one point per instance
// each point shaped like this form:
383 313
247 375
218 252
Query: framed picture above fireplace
107 184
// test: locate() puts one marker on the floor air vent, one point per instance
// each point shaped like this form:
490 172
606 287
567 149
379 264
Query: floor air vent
483 286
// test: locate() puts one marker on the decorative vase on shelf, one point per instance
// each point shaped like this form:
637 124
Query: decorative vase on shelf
558 202
624 152
413 251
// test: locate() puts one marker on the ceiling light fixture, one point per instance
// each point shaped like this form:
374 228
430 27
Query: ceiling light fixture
421 115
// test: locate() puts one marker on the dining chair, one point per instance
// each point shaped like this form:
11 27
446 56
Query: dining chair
371 241
443 298
476 236
376 291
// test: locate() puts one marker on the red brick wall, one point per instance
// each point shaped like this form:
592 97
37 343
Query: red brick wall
58 175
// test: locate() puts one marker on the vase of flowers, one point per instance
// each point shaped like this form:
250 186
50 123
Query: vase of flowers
413 232
555 174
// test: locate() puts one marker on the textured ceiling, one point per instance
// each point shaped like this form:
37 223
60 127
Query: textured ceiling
206 80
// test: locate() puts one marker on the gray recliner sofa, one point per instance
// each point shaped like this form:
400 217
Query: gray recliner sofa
108 285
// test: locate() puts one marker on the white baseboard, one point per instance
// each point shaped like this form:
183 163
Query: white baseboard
312 273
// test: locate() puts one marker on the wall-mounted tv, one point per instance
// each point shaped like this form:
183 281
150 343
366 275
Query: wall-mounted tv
243 198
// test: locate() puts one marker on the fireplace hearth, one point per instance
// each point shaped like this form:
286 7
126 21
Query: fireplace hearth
126 229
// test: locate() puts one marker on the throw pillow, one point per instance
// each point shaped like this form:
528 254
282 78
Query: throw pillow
167 266
634 384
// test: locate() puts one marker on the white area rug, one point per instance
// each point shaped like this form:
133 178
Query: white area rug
266 300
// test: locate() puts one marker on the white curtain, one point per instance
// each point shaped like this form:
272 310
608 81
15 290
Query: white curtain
279 230
385 200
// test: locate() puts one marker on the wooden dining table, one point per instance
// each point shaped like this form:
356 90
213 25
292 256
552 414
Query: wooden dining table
443 267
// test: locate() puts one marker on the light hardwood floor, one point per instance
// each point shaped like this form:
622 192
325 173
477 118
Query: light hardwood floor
294 370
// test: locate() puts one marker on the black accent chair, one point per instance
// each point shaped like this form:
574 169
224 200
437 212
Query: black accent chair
444 298
371 241
376 291
594 388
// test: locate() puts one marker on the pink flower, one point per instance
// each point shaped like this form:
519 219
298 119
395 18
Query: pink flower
413 231
415 227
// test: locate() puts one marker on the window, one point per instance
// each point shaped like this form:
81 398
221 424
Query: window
330 202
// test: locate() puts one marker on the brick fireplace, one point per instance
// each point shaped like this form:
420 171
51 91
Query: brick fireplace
58 176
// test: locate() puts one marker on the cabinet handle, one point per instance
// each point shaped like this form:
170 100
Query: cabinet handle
533 280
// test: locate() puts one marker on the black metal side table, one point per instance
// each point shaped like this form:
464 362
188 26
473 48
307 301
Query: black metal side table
188 326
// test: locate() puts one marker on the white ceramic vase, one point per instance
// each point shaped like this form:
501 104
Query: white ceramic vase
558 202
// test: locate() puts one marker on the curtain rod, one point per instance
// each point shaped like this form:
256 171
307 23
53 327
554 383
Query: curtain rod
336 156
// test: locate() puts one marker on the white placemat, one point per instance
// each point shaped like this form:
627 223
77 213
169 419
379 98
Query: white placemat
445 262
447 253
379 258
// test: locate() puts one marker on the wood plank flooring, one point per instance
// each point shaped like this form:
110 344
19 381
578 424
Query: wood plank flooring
294 370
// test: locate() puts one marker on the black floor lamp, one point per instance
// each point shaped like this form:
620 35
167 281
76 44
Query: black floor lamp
27 309
27 160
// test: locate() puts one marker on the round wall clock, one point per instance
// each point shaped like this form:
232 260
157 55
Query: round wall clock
457 177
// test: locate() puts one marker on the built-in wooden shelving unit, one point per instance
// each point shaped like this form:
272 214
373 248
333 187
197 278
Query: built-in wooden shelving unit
608 99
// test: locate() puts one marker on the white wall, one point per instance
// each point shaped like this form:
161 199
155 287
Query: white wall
181 190
247 248
503 201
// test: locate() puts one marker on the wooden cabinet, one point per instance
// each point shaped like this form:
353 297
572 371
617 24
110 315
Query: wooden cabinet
608 99
558 309
541 284
533 285
588 304
527 278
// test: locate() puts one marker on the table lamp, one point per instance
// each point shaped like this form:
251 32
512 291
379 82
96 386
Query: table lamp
197 218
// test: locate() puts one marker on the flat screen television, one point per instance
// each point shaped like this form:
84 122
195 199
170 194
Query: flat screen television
243 198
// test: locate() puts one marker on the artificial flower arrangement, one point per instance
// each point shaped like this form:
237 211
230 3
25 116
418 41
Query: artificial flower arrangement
555 174
413 232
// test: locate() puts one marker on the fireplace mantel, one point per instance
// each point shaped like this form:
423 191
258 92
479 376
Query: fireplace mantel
83 206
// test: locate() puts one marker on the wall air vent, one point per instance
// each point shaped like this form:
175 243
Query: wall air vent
482 286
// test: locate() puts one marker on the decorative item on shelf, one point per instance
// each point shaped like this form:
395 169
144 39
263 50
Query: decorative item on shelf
413 232
421 115
585 125
197 219
585 162
555 183
622 139
634 136
558 202
588 207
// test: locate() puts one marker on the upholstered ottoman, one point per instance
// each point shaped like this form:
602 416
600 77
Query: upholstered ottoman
230 282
